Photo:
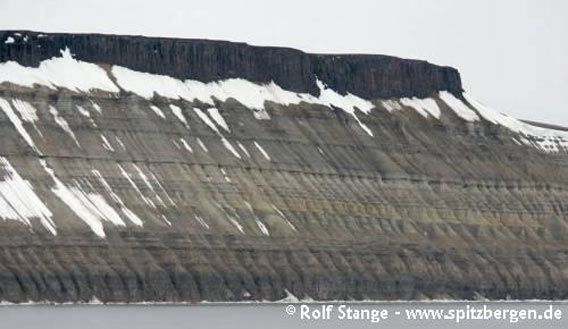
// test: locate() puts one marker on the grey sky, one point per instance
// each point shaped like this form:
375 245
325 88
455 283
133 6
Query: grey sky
512 54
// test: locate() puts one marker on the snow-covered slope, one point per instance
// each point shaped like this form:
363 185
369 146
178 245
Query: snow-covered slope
75 75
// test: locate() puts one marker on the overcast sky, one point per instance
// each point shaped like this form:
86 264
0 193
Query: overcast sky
512 54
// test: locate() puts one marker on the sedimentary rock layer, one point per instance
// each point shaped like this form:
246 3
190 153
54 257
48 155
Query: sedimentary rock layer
152 188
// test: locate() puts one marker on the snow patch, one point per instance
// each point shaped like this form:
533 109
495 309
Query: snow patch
27 112
544 139
146 84
205 119
90 207
237 225
157 111
120 143
243 148
203 147
19 202
186 145
126 175
161 187
284 217
426 106
227 178
113 216
176 110
214 113
148 184
176 144
201 221
166 220
97 107
106 144
230 147
63 72
347 103
391 105
83 111
262 151
459 107
13 117
252 95
262 227
127 212
61 122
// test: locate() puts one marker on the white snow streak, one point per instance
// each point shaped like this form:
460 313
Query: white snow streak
203 116
158 112
126 175
391 105
262 227
176 110
89 207
227 179
148 184
545 139
27 112
157 182
262 151
214 113
202 145
243 148
459 107
127 212
236 224
186 145
230 147
205 119
119 141
201 221
97 107
13 117
19 202
425 106
61 122
106 144
284 217
84 112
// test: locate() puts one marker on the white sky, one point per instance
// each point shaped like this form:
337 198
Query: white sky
512 54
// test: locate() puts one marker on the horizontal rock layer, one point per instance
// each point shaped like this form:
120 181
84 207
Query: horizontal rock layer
369 76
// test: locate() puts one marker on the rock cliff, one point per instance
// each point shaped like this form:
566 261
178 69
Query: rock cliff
370 76
150 169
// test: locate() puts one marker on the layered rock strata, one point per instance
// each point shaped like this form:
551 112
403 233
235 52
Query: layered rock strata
140 169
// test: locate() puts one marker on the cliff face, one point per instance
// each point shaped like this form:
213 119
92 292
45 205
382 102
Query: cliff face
369 76
122 185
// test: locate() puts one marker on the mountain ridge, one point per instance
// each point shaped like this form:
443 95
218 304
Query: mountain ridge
370 76
122 185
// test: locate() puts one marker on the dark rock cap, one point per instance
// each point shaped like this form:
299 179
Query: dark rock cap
368 76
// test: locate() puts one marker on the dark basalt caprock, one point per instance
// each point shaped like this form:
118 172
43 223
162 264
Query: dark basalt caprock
368 76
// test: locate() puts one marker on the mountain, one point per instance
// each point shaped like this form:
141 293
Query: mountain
137 169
